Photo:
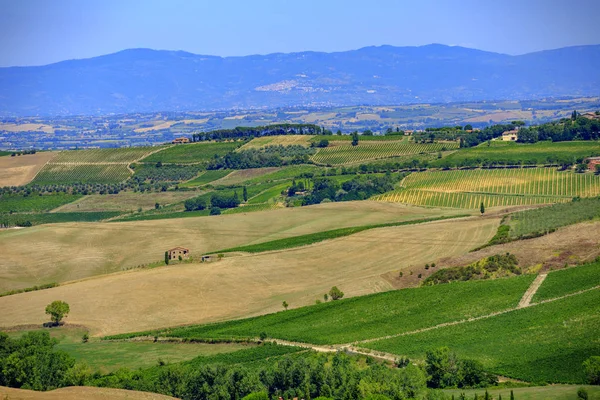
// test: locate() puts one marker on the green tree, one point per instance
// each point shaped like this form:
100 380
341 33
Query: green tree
582 394
285 305
355 138
339 132
468 127
335 293
482 208
166 258
245 194
215 211
57 310
591 366
156 206
512 395
442 368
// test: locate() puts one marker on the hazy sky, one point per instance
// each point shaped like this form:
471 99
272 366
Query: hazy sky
35 32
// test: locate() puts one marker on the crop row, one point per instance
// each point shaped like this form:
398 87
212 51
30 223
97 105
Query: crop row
346 153
464 200
82 173
502 187
124 155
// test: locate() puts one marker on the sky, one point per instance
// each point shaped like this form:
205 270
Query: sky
38 32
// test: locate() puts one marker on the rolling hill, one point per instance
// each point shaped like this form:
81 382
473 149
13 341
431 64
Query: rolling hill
144 80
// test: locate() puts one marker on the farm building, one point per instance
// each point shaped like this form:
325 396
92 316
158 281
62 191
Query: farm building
592 162
510 136
590 115
177 252
180 140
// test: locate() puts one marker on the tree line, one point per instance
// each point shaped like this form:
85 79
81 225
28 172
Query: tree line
258 131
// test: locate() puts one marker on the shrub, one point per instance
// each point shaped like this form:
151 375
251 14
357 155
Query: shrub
215 211
336 293
582 394
591 367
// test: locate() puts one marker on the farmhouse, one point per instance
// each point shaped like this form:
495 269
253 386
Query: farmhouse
510 136
177 252
592 162
591 115
180 140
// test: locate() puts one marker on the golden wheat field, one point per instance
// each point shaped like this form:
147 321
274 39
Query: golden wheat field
246 285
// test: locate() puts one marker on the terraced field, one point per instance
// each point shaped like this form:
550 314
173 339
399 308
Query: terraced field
82 173
500 187
345 153
91 166
121 155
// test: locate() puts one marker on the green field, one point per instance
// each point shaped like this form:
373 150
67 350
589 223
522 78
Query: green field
269 193
372 316
542 220
552 392
34 203
346 153
303 240
284 173
507 153
121 155
104 356
253 208
192 153
569 280
542 343
51 218
493 187
206 177
52 174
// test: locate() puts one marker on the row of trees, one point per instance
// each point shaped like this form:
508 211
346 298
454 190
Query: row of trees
578 128
257 131
216 200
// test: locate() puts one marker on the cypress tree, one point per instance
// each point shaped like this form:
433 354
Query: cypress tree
166 257
245 194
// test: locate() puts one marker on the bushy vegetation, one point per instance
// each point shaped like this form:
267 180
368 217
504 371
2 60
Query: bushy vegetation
269 156
541 343
31 362
303 240
569 280
500 265
566 129
371 316
358 188
200 153
29 289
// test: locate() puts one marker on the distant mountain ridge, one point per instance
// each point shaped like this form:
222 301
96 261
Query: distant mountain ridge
144 80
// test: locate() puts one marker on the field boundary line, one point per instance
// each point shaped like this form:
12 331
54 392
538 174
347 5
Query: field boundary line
531 291
43 166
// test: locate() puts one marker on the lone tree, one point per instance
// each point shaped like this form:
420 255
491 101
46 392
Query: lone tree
336 293
355 138
591 367
482 208
166 258
57 310
285 305
245 194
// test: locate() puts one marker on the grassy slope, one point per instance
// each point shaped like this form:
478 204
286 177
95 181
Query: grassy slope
105 356
34 203
546 342
375 315
554 392
51 218
303 240
570 280
206 177
538 153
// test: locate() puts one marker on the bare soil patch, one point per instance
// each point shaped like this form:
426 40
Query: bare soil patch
20 170
80 392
